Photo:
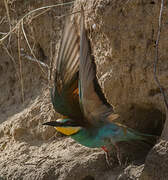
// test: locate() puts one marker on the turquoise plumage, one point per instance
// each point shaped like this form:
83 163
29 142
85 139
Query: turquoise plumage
91 118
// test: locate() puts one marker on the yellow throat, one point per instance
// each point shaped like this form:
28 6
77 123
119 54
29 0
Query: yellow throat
67 130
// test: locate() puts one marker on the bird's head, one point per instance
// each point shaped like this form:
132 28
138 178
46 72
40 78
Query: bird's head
65 126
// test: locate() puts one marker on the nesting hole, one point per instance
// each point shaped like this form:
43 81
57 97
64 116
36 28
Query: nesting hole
148 120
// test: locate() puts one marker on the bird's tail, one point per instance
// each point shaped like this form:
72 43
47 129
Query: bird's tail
146 138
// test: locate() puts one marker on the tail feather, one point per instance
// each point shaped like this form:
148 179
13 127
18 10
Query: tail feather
146 138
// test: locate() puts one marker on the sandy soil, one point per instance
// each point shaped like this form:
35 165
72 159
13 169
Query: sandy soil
123 35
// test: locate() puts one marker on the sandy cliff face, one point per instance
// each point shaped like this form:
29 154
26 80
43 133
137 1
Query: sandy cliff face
123 35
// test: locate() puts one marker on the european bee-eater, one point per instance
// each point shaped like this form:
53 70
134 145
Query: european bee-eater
89 118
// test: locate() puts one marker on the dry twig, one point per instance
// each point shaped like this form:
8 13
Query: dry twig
12 59
20 24
51 63
9 19
157 54
31 48
30 58
26 15
20 66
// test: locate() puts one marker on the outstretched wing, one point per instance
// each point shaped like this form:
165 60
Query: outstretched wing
93 102
64 95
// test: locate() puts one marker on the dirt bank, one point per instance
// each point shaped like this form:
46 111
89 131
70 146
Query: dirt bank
123 36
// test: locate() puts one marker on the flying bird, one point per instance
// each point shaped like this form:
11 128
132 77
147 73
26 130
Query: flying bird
87 116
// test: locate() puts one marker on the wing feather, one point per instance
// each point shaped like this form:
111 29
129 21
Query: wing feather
67 74
94 104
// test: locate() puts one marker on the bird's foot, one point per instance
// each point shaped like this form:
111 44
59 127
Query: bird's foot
109 161
118 154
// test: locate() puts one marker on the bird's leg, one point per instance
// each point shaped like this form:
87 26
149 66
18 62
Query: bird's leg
118 153
107 156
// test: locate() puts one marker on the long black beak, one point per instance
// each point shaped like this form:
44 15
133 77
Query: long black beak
53 123
61 124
